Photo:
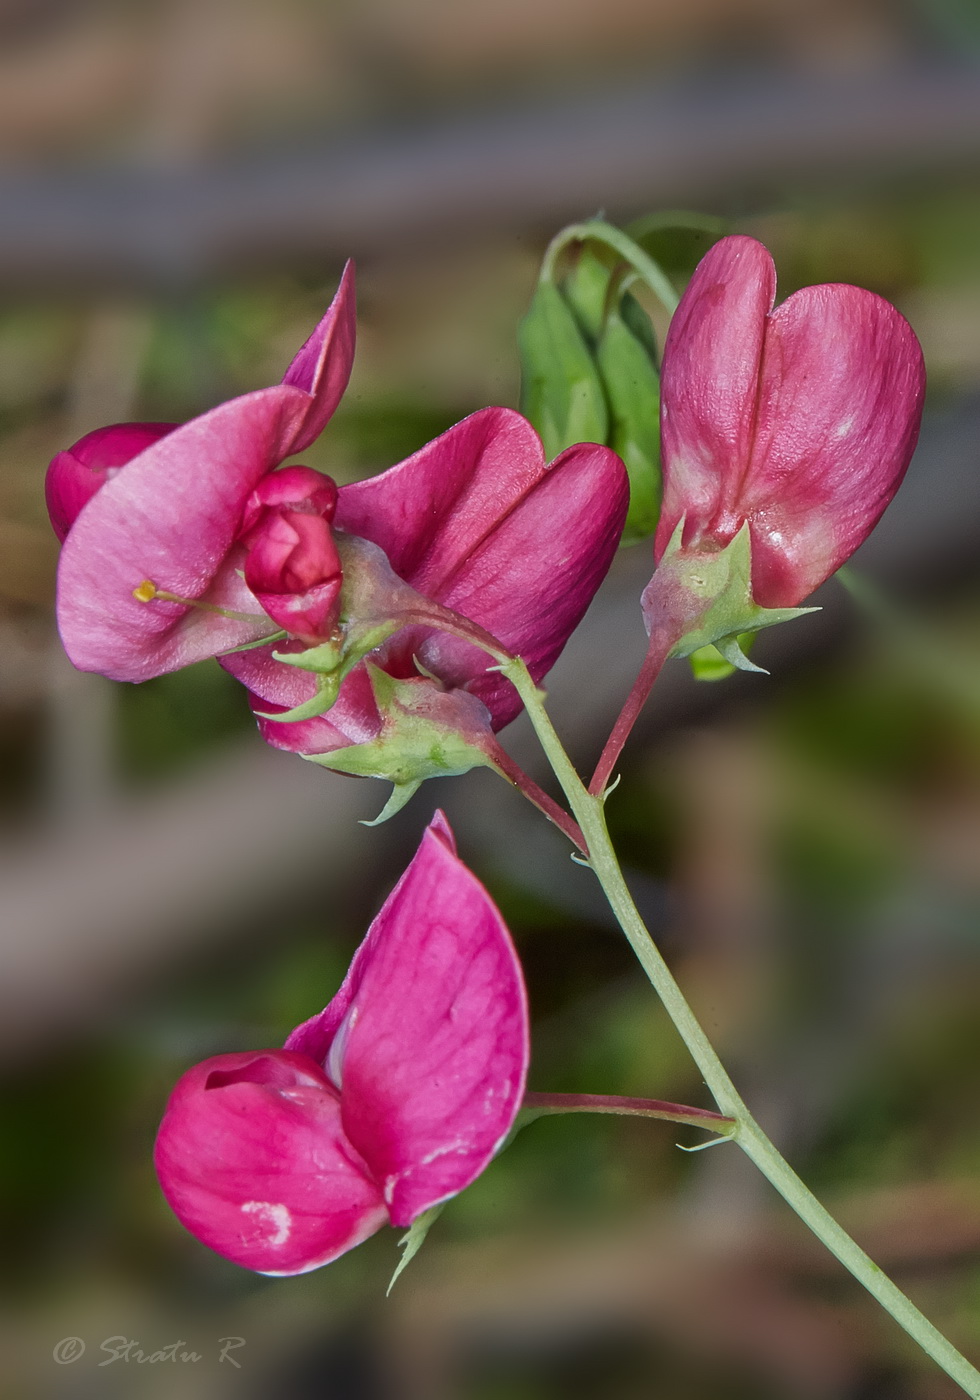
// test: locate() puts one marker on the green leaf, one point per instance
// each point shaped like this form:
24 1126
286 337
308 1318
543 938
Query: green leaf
561 392
586 288
633 390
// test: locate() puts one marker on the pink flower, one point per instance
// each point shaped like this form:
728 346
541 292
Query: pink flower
174 515
393 1099
476 521
799 421
292 565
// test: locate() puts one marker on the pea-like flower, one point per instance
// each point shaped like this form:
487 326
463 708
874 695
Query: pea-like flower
155 565
391 1100
194 541
798 422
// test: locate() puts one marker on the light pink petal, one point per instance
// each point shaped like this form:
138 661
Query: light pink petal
78 473
253 1160
840 400
171 516
711 362
428 1036
322 368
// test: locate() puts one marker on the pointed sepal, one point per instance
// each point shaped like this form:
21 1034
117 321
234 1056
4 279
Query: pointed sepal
704 596
426 732
413 1240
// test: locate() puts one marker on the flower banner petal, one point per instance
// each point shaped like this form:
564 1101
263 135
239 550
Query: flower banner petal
839 403
139 527
711 362
428 1037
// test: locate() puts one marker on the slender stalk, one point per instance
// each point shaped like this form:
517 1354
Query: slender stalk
540 1104
588 809
515 774
629 250
657 653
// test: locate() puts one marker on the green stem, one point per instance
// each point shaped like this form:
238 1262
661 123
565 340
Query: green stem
588 811
600 232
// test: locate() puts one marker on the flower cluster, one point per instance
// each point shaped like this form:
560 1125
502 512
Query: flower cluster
188 542
364 621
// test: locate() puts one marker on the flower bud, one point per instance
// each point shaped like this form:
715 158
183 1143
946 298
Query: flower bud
76 474
292 565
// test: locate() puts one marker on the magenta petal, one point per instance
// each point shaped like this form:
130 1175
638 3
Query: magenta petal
839 403
322 368
800 421
354 719
172 516
253 1160
76 474
711 363
477 521
428 1036
531 580
431 511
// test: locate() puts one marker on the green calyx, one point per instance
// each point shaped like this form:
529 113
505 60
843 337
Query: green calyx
706 597
426 732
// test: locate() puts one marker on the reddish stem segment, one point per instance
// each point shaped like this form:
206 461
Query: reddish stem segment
614 1103
516 775
658 651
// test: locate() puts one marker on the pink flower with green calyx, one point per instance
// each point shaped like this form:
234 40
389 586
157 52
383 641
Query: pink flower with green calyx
201 544
786 433
384 1105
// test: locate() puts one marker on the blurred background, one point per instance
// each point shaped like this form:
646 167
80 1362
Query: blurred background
180 181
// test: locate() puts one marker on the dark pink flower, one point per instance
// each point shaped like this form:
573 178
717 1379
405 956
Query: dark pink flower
292 565
174 514
391 1100
798 421
476 521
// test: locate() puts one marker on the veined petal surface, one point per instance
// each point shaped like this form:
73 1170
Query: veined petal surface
427 1039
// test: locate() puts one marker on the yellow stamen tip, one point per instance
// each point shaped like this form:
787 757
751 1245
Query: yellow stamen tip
146 592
